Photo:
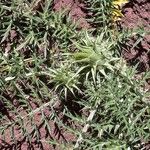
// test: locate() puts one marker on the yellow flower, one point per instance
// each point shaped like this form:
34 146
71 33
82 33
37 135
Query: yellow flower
116 12
119 2
116 15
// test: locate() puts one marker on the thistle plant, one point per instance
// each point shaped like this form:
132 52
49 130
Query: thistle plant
48 61
97 55
123 106
65 80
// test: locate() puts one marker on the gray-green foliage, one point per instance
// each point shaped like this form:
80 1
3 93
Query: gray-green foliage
121 103
101 13
41 35
122 111
50 61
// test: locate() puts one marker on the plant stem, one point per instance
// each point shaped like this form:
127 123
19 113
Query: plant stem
85 128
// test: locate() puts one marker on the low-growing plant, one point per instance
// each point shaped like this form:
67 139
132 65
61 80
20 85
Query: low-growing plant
104 13
65 79
50 62
96 55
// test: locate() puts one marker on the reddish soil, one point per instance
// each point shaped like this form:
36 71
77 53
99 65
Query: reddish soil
137 14
75 9
57 132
